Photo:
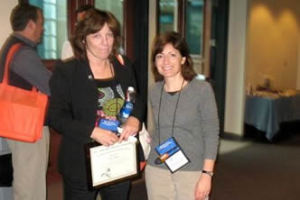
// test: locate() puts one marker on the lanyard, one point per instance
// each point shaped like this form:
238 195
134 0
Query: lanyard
175 110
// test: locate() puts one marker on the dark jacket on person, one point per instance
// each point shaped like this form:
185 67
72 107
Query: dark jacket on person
26 68
73 107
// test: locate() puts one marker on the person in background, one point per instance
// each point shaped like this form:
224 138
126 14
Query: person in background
184 108
67 50
30 160
86 89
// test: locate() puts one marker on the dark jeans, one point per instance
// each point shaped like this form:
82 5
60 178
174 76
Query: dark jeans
78 190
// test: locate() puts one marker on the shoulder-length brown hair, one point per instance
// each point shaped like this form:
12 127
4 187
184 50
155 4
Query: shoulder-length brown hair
178 43
93 21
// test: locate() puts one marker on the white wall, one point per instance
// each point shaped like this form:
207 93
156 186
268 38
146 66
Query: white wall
234 107
5 9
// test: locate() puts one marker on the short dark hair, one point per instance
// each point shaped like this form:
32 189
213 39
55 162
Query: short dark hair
93 21
179 43
21 14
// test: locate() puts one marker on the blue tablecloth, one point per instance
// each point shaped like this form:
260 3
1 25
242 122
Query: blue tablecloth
266 114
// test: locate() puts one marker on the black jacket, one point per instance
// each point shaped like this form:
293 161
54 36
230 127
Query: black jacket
73 106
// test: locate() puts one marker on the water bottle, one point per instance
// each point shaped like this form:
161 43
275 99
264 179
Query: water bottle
128 105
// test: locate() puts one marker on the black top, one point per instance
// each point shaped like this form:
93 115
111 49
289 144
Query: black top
110 99
73 108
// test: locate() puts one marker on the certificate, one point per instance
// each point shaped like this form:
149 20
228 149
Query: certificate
110 164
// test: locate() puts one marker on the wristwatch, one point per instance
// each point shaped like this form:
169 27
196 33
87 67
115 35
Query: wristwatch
210 173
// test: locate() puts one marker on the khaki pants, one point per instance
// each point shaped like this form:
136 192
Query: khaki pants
163 185
30 162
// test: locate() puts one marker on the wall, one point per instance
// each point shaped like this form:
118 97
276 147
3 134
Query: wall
5 9
234 103
273 43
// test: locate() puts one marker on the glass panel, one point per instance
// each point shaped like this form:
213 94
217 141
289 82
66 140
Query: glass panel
194 25
49 11
50 43
55 25
50 1
50 28
167 15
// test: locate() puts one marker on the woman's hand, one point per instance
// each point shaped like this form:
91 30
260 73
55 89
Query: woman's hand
203 187
130 128
104 137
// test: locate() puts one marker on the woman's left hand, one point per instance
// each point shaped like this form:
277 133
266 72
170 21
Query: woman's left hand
130 128
203 187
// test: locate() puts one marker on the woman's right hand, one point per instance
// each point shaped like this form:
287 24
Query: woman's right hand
104 137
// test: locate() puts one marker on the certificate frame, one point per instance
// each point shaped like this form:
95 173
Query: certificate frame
107 165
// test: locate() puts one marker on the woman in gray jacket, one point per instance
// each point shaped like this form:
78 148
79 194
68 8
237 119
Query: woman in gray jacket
186 133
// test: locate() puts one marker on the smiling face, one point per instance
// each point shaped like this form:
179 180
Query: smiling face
100 44
169 62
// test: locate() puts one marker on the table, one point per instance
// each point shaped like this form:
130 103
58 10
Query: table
266 114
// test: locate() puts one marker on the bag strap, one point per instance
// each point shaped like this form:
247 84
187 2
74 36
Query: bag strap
12 51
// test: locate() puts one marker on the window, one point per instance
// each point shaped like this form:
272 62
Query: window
194 25
167 15
55 27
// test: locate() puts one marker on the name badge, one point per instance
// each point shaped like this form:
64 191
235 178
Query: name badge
109 124
171 154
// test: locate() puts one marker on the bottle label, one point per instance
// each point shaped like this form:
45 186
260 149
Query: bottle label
126 110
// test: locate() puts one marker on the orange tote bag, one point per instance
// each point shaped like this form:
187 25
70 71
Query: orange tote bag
22 112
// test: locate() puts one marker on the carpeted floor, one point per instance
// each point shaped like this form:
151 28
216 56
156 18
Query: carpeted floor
259 171
245 170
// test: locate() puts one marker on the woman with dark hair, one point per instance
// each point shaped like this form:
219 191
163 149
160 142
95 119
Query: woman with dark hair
185 137
85 90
